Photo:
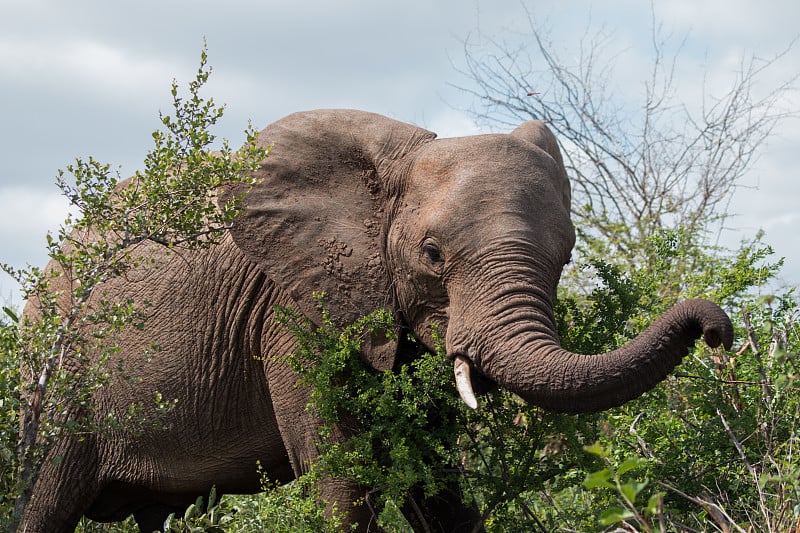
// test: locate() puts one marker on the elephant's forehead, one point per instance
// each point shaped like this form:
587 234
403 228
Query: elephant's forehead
488 189
500 164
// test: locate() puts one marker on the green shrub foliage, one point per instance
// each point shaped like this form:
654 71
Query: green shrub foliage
171 202
414 410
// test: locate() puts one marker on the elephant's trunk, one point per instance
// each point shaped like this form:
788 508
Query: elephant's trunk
543 373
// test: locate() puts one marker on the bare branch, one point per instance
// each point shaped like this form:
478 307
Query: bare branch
637 166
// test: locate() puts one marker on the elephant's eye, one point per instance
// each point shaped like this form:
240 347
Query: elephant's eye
432 252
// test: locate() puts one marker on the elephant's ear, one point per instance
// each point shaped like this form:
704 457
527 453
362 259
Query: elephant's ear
535 132
317 219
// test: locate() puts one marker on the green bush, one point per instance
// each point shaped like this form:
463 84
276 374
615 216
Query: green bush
9 416
415 409
717 438
173 203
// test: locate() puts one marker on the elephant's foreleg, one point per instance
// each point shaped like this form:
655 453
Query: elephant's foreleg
300 432
349 502
67 485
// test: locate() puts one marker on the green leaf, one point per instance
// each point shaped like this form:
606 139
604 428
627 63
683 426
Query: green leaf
629 464
11 314
212 497
631 490
654 504
597 449
598 479
191 511
614 515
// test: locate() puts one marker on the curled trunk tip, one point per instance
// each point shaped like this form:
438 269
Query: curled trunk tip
715 324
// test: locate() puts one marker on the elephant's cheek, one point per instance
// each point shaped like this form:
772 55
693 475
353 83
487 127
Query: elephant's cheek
430 328
424 311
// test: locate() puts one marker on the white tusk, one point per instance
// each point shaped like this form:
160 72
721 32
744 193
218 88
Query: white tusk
464 382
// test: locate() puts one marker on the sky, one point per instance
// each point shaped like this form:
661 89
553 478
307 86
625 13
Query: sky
85 78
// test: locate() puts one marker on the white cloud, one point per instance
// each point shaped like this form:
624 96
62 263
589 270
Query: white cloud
452 123
87 77
748 22
93 65
20 202
26 215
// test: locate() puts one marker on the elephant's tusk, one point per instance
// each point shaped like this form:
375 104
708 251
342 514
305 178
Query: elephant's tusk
464 382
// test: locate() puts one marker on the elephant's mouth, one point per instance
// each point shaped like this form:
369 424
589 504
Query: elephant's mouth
470 381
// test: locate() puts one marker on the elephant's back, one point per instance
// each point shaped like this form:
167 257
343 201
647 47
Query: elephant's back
187 301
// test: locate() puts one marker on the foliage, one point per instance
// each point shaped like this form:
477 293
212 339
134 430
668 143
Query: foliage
414 409
172 202
199 518
733 425
720 431
9 414
280 509
627 491
283 509
516 455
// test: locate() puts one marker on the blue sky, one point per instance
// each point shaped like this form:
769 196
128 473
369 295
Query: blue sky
86 78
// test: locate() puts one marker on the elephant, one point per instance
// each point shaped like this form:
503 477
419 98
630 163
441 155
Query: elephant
468 235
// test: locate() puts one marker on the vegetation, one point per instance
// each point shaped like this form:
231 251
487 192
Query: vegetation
171 202
712 448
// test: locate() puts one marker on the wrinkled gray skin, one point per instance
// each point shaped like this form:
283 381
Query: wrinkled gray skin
468 233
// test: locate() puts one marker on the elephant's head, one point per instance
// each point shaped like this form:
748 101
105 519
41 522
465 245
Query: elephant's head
468 233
